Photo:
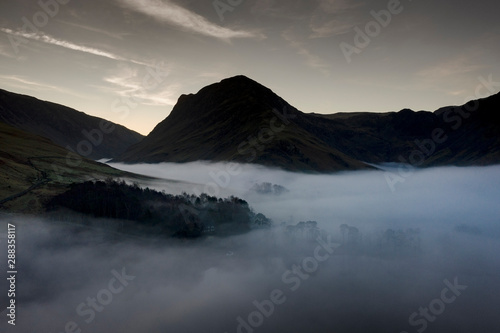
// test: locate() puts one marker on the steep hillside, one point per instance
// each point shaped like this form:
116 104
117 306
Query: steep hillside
90 136
240 120
33 169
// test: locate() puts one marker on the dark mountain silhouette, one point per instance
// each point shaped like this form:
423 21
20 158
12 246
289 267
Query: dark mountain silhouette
66 127
240 120
456 135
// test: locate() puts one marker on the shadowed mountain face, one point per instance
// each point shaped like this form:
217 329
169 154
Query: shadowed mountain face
240 120
34 169
89 136
455 135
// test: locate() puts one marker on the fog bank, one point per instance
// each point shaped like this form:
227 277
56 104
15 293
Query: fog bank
422 258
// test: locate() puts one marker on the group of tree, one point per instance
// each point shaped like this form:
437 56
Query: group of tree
184 215
388 243
268 188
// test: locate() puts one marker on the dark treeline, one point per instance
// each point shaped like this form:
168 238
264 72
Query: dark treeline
174 215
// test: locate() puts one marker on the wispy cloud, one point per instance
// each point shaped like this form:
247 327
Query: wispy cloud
21 82
330 28
312 60
5 53
323 18
461 64
168 12
455 76
334 17
44 38
96 30
339 6
129 82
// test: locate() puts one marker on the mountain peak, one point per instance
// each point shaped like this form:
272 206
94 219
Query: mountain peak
231 97
225 85
221 123
239 77
238 83
240 120
239 80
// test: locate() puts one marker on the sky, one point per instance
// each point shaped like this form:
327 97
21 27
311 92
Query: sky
129 60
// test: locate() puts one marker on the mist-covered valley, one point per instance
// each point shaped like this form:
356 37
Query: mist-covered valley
417 256
264 166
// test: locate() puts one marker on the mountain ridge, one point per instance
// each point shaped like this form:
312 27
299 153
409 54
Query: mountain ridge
205 126
240 120
229 120
33 169
90 136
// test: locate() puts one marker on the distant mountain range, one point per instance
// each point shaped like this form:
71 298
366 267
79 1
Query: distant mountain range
235 120
89 136
240 120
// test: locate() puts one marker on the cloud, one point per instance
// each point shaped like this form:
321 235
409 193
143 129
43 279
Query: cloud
328 198
119 36
139 84
170 13
312 60
452 76
461 64
6 51
44 38
373 284
339 6
26 83
334 17
330 28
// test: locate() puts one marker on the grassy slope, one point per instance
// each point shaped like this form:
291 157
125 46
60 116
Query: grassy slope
63 125
28 160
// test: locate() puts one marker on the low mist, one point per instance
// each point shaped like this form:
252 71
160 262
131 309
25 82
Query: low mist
434 198
422 256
